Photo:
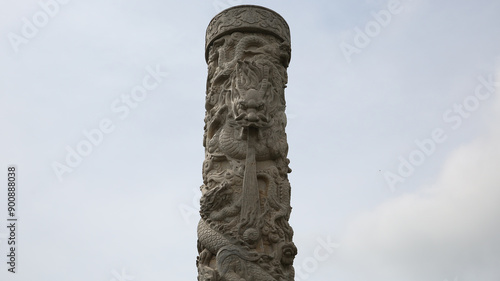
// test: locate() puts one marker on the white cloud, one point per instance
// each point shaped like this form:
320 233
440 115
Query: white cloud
446 229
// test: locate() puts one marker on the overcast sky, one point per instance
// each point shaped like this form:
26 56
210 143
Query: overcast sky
392 126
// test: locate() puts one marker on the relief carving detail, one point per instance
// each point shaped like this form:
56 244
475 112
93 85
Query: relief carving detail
243 233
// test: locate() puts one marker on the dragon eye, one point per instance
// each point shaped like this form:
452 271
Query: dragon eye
261 106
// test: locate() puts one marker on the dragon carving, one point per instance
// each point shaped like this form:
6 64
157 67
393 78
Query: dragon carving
243 233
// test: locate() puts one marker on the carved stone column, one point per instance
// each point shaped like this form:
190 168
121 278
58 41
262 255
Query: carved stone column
244 232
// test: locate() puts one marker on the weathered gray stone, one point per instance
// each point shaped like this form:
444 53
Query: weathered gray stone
244 234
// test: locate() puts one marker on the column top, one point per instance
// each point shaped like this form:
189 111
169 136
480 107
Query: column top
246 18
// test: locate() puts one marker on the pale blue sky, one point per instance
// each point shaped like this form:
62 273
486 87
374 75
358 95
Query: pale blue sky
353 117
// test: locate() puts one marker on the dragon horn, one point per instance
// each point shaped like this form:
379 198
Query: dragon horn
264 85
238 71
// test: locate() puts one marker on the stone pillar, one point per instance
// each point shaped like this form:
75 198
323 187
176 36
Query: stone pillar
244 232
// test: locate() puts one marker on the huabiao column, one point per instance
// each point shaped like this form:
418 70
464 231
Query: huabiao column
243 233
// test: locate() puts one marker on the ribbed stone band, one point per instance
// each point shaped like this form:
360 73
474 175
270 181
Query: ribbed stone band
246 18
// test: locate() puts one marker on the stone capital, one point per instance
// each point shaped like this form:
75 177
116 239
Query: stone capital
246 18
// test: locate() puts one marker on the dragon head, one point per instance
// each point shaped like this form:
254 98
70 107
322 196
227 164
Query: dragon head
250 95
